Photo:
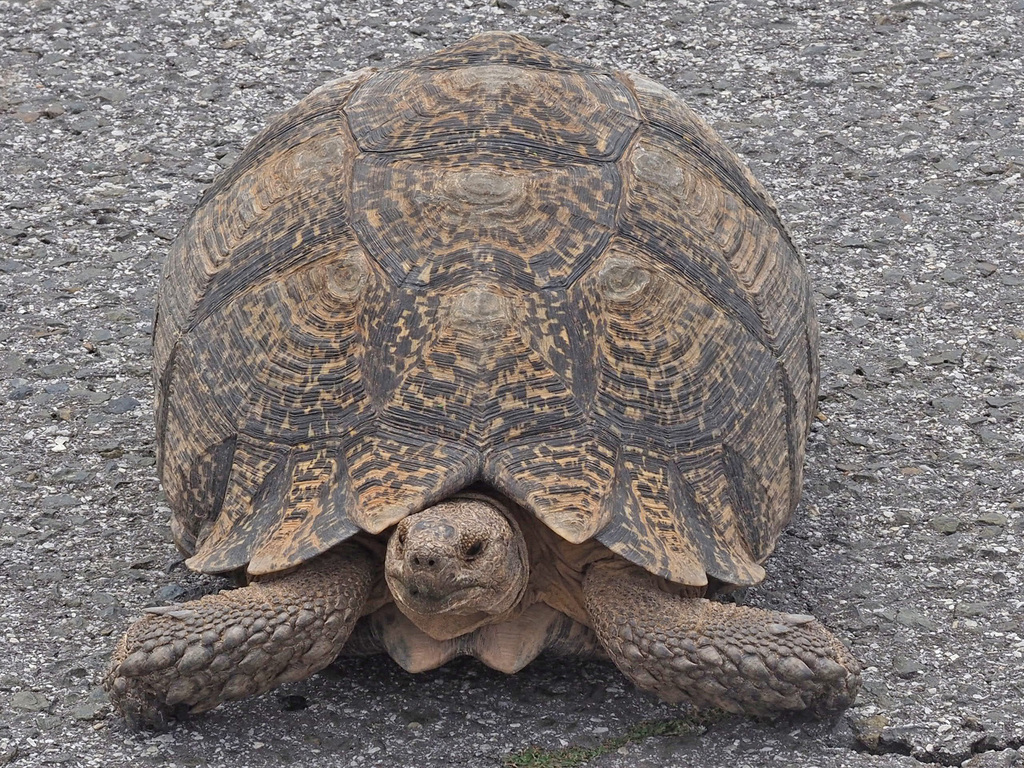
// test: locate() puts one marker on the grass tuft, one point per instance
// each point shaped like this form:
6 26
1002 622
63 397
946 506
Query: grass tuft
572 756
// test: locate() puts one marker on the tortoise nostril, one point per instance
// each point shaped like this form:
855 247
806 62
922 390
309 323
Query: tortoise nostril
422 562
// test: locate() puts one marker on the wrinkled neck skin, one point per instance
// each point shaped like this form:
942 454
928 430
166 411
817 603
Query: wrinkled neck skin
457 566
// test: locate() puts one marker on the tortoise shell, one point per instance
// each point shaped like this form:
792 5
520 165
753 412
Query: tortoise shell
493 265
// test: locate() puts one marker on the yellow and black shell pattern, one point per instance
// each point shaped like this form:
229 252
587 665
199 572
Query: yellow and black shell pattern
491 265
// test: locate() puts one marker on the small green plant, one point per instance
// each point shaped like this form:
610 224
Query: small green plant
535 757
571 756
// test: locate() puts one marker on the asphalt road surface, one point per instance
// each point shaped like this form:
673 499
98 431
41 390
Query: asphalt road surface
890 134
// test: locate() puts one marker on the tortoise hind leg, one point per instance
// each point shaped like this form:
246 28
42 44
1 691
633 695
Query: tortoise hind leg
737 658
239 642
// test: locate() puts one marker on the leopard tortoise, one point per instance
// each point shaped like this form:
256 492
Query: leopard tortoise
487 354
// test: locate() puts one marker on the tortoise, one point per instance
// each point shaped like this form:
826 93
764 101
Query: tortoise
490 353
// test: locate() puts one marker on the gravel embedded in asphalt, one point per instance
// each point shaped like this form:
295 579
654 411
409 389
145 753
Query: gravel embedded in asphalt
892 138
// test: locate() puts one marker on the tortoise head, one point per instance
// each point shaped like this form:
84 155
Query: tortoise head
457 566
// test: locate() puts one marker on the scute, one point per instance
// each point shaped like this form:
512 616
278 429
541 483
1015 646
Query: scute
283 361
496 99
250 193
434 222
492 265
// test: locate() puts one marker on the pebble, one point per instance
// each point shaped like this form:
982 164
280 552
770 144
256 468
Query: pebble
20 392
89 711
60 501
996 758
55 371
907 668
112 94
29 701
121 405
971 610
992 518
949 404
911 618
945 523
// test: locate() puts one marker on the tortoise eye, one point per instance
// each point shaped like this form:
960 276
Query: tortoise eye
475 550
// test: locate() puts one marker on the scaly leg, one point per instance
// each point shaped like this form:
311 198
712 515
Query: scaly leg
737 658
239 642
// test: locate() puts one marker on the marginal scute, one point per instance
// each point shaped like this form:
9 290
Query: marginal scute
204 488
397 472
315 510
553 466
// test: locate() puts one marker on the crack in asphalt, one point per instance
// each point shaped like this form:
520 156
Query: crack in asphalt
898 746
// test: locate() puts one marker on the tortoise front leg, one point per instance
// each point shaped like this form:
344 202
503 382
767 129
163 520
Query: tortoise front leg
740 659
240 642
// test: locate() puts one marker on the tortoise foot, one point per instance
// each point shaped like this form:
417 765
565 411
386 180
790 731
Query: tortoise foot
188 658
737 658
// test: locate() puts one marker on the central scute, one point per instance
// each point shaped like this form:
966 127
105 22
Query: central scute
432 222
